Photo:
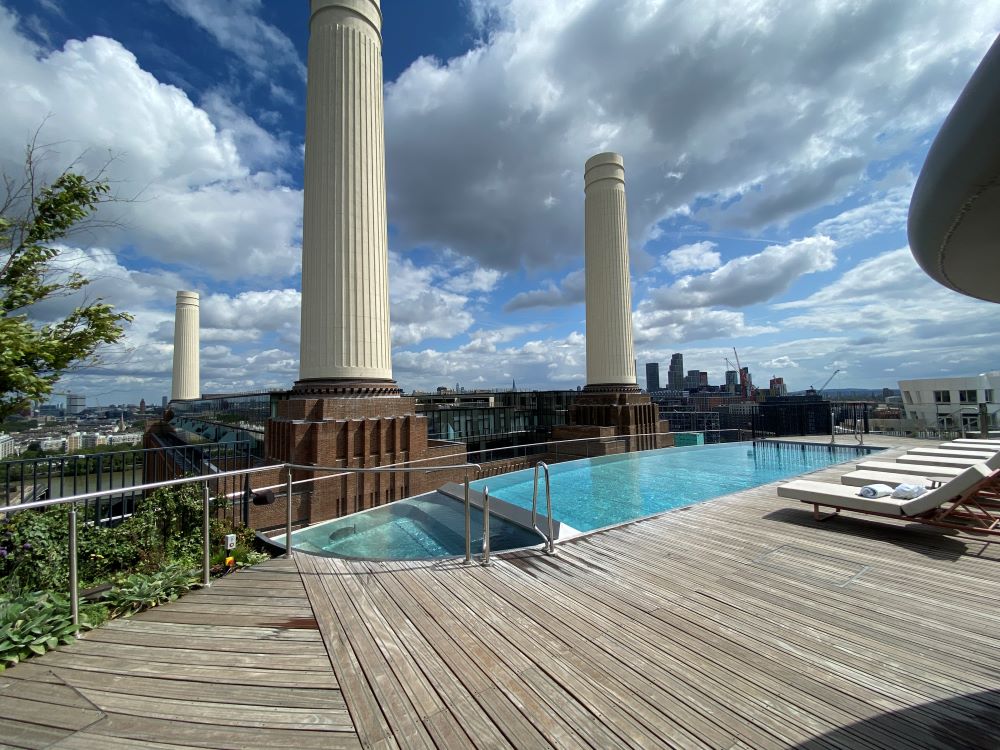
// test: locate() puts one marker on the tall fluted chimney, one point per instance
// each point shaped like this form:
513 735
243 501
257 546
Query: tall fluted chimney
187 363
610 356
345 346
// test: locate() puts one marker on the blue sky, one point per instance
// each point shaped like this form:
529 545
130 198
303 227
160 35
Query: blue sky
770 151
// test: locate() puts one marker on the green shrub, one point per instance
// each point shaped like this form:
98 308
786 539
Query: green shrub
35 623
138 591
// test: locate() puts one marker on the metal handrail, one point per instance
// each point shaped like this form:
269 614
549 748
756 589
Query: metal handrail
550 538
72 501
486 525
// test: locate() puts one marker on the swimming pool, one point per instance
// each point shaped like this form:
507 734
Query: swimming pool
418 528
587 494
596 492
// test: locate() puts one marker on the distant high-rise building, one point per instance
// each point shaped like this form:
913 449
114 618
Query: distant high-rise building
164 402
652 376
142 406
703 379
75 403
777 387
746 383
695 379
732 381
675 375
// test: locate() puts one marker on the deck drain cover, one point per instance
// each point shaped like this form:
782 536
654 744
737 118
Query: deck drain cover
809 565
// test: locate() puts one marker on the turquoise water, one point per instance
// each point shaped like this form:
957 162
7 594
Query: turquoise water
414 529
596 492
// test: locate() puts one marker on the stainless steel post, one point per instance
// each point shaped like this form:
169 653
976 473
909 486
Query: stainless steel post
288 516
74 596
468 522
206 550
551 546
486 525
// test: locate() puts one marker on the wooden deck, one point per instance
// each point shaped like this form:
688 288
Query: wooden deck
737 623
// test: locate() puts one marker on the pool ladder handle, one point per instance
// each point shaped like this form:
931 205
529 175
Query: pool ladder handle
468 525
550 545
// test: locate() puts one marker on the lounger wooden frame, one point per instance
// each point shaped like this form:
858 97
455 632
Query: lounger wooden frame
979 507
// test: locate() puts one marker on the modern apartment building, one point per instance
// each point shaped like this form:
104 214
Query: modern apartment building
953 403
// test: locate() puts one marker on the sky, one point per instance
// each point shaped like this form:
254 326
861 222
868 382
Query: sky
770 148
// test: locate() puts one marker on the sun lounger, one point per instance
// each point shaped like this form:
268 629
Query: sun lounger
980 447
955 463
863 478
955 504
920 470
946 453
990 441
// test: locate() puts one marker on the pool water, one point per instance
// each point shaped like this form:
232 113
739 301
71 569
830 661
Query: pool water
415 529
596 492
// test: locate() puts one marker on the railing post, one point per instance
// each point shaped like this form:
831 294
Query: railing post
468 522
486 525
288 516
74 596
551 547
206 542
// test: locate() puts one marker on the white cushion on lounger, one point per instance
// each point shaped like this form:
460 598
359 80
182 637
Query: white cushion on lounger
958 463
861 478
944 453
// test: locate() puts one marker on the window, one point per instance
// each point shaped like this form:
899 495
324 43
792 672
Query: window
967 397
942 397
988 395
908 397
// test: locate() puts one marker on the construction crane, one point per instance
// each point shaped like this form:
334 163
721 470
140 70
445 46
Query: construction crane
823 387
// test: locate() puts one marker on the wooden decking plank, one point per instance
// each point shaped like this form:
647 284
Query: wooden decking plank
382 637
24 734
454 629
451 674
403 717
70 659
43 693
894 623
583 686
273 695
213 631
84 741
190 734
178 655
627 638
221 713
369 722
642 698
259 646
50 714
678 576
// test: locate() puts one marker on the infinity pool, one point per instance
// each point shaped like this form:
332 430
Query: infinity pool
587 494
596 492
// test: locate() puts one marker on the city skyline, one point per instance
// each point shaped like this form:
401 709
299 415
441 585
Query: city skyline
772 221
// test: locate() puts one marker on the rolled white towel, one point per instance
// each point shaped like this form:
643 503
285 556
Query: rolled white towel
875 490
908 491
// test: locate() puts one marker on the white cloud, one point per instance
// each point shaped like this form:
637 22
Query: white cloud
749 279
651 325
198 202
236 27
700 256
880 214
738 115
571 290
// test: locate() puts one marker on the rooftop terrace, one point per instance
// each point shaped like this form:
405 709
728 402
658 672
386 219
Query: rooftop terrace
737 623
